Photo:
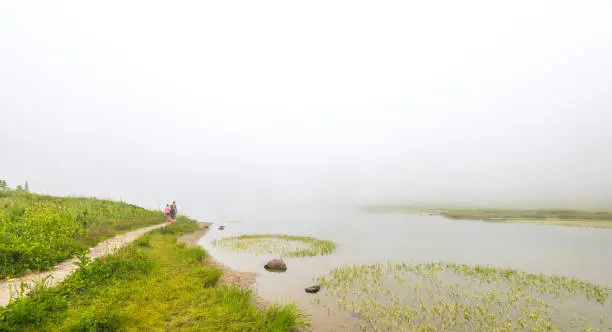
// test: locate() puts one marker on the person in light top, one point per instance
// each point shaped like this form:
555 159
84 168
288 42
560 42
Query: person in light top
167 211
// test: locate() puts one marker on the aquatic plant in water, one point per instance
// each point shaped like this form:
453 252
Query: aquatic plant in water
439 296
284 245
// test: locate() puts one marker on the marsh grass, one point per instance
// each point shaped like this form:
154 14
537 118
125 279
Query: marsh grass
284 245
404 297
527 214
591 223
561 217
153 284
38 231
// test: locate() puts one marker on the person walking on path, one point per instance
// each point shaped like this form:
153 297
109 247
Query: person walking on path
167 212
173 210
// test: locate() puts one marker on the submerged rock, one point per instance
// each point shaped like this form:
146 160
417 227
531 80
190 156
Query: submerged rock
276 264
313 289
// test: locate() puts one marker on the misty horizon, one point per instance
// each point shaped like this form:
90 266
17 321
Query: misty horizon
248 104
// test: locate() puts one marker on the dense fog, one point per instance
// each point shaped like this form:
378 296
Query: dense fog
222 105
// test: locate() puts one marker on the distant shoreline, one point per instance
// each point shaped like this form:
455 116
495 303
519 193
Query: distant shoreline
578 218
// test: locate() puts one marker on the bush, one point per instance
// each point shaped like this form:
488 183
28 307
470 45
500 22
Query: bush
143 242
190 254
105 320
209 275
33 310
127 264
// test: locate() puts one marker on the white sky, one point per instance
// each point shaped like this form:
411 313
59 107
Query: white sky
338 101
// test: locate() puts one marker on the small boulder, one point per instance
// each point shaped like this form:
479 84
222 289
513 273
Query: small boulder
313 289
276 264
221 228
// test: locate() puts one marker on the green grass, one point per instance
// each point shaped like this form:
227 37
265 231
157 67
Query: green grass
153 284
38 231
279 244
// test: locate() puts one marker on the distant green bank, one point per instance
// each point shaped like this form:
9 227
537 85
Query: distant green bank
154 284
581 218
38 231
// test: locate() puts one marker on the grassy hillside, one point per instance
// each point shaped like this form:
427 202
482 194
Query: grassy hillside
38 231
153 284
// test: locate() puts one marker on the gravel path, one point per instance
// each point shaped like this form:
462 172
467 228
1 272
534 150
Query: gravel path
11 287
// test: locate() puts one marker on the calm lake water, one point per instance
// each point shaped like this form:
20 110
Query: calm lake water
366 238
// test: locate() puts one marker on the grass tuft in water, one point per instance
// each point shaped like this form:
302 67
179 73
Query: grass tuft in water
284 245
414 297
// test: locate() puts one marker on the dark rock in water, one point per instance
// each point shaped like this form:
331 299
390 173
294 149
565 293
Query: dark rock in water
313 289
221 228
276 264
358 316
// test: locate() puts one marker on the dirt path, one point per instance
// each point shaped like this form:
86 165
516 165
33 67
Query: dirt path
11 287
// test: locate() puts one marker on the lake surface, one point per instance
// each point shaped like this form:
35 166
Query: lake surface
368 238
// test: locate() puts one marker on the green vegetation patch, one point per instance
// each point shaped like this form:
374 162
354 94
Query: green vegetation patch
526 214
37 231
576 223
284 245
563 217
437 296
153 284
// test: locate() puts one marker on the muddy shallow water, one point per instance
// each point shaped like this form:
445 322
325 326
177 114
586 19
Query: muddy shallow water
368 238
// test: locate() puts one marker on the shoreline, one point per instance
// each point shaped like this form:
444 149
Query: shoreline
317 315
574 218
583 223
574 222
229 277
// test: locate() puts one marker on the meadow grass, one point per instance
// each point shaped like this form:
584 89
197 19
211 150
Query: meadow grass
451 297
280 244
38 231
153 284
